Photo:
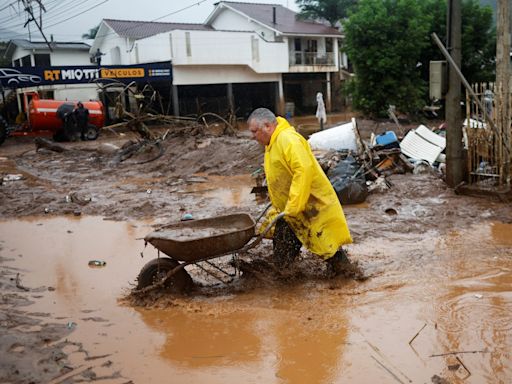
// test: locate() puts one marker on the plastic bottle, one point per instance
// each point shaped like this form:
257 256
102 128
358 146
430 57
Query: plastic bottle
97 263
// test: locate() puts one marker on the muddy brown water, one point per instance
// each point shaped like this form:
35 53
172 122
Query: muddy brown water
429 307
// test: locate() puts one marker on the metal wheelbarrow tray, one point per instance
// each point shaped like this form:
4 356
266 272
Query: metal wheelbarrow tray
194 240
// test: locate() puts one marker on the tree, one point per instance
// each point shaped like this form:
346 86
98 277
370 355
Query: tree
91 34
389 43
384 39
330 10
478 39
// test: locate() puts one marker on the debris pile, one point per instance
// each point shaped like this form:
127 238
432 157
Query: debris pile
356 167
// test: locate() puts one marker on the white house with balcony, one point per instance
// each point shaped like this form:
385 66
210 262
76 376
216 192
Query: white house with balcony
242 57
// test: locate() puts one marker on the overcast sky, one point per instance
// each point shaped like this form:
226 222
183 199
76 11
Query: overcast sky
67 20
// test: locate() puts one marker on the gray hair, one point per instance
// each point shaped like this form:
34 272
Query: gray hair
262 115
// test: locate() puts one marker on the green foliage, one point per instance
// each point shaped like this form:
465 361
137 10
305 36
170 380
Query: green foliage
4 61
478 42
384 39
330 10
387 39
478 39
91 34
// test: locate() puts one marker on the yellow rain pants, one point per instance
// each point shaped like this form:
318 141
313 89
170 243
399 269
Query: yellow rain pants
298 186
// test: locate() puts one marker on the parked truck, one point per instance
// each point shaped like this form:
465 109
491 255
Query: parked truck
43 117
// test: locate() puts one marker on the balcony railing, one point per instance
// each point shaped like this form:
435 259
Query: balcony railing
311 58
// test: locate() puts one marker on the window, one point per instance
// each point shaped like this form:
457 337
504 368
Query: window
42 60
328 44
311 46
187 43
297 44
255 49
25 61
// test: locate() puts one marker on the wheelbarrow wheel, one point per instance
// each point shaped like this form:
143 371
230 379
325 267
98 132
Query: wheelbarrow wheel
156 269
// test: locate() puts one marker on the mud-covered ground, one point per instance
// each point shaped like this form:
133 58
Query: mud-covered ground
87 181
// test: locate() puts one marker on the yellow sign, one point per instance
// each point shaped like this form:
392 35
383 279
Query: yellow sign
113 73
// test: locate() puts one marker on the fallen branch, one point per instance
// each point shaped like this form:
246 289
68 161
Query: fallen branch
62 378
47 144
466 368
18 283
417 333
388 370
458 353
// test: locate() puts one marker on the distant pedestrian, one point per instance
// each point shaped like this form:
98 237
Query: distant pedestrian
81 115
320 110
97 57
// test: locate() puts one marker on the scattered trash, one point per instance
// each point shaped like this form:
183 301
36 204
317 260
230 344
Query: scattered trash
97 263
47 210
68 199
341 137
348 181
423 144
108 148
77 212
421 167
81 200
387 140
13 177
149 191
71 325
203 143
478 296
186 217
379 185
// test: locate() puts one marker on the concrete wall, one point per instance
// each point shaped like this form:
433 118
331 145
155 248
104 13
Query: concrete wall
57 57
216 48
195 75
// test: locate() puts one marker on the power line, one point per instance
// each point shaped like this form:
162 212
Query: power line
70 8
158 18
78 14
54 16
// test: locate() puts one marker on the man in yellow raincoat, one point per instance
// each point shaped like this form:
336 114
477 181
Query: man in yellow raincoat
299 188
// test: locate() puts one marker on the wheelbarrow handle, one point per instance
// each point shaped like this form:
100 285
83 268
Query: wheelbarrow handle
272 223
263 213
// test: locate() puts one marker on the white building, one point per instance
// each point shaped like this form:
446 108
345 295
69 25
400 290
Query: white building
25 53
242 57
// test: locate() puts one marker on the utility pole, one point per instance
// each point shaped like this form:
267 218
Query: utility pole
503 113
454 154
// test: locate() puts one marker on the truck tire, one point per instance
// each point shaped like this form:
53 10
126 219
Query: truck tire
92 132
3 129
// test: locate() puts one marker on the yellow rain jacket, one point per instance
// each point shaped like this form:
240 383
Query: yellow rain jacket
298 186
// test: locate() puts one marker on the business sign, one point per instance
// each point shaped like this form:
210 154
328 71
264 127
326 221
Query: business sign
21 77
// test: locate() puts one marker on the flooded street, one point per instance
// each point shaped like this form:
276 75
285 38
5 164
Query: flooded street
433 304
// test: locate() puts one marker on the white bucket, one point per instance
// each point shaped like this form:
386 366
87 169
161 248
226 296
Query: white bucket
341 137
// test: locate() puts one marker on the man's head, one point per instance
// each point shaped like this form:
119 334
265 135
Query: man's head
79 104
262 122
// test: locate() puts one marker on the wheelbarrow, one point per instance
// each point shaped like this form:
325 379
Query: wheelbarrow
197 241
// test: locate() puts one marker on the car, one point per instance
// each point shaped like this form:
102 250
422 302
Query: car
13 77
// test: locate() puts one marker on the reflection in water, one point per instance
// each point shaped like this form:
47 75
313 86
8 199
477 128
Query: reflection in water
312 332
286 344
474 314
308 354
197 340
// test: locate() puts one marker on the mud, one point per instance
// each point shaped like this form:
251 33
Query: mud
434 304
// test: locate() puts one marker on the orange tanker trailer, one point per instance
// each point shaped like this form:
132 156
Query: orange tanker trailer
45 118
